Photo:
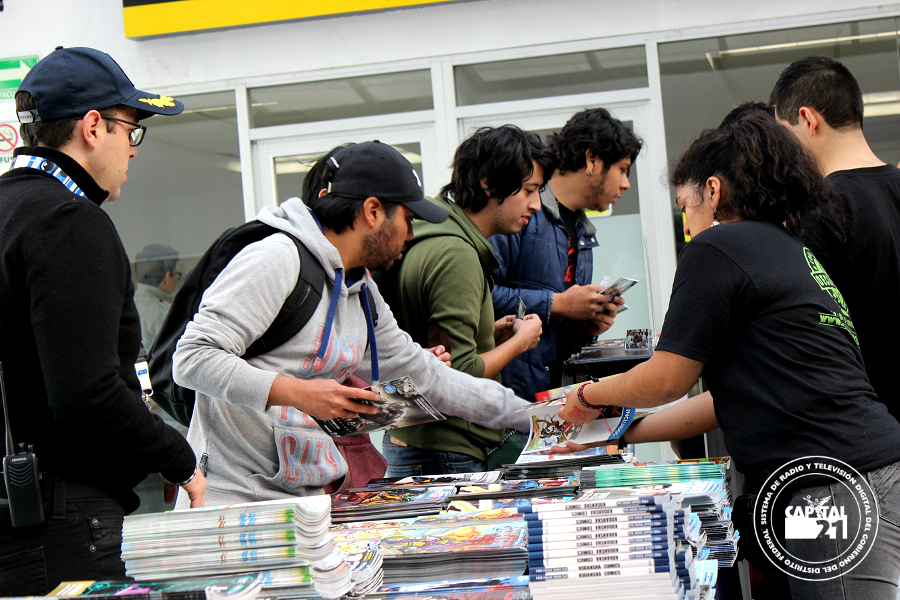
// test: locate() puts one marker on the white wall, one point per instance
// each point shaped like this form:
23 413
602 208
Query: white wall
213 60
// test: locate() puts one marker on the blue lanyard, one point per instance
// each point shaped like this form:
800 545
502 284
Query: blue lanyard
42 164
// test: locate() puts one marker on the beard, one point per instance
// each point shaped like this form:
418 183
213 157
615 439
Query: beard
598 191
377 247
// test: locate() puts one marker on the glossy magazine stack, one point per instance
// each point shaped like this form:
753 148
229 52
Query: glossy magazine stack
288 539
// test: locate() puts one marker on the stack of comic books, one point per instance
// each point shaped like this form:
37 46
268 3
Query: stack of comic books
532 465
454 479
468 552
650 474
609 542
508 588
287 538
549 487
700 486
435 548
400 502
479 485
235 587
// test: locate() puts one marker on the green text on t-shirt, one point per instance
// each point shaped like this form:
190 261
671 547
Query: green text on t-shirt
833 319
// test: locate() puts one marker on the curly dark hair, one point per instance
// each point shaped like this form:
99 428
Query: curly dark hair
596 130
767 175
822 83
503 157
742 110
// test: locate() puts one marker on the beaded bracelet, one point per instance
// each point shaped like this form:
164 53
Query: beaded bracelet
580 395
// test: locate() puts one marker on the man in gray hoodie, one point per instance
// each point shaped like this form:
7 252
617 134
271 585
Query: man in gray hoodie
252 418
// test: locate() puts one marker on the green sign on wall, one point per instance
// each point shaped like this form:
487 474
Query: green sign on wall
12 71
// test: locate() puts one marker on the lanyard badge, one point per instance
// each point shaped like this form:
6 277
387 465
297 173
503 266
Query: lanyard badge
28 161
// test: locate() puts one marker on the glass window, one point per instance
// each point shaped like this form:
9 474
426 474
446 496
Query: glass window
341 98
702 80
545 76
290 170
183 190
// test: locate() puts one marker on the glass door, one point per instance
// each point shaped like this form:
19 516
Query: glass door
281 164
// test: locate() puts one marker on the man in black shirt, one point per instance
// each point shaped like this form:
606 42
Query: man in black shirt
820 101
69 329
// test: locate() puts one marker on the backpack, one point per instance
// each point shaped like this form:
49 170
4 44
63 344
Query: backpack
296 311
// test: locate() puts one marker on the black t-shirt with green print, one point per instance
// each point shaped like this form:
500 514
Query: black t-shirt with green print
781 356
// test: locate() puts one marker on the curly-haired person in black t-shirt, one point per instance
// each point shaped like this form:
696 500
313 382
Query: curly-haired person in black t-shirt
753 312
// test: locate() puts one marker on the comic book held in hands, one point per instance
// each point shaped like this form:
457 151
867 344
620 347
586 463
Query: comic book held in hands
401 405
549 430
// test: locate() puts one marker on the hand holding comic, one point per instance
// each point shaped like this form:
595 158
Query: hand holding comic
574 411
579 302
397 404
557 423
321 398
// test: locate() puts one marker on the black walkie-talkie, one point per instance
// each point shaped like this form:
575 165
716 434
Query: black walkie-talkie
21 476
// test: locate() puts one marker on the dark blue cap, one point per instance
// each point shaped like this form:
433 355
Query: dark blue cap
376 169
69 82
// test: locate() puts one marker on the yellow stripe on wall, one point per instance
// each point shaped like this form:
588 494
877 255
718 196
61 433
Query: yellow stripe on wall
182 16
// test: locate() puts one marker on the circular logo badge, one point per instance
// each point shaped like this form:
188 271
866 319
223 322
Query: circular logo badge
388 388
816 518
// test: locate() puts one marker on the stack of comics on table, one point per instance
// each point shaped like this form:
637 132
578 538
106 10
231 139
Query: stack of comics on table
286 539
700 485
618 543
365 505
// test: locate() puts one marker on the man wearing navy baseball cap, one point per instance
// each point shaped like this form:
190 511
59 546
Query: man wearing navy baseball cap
69 330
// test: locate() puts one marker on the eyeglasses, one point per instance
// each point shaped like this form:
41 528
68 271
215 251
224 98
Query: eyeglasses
136 135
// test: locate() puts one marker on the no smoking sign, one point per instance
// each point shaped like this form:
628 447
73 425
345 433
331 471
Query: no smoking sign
9 137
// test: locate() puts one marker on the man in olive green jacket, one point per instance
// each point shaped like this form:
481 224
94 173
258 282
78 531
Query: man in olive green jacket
443 289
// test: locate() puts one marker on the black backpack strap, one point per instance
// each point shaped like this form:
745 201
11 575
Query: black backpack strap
372 307
298 308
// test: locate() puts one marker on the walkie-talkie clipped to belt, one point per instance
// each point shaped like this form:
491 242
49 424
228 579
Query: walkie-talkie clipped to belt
21 476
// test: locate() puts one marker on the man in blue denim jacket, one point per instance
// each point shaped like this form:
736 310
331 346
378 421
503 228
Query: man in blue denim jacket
548 265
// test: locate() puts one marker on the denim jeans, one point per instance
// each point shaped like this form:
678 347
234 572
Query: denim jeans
876 576
82 541
406 461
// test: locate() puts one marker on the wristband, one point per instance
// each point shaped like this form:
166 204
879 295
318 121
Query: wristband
188 480
580 395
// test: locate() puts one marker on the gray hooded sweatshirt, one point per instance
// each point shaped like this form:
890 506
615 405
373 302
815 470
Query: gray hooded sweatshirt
258 453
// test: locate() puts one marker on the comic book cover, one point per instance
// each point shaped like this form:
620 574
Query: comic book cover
457 479
549 430
506 588
457 518
524 487
475 538
231 584
490 504
358 541
401 405
366 499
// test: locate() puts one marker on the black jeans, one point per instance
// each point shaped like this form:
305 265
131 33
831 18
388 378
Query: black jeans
80 539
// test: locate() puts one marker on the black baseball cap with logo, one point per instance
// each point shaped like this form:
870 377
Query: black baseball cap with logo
375 169
69 82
